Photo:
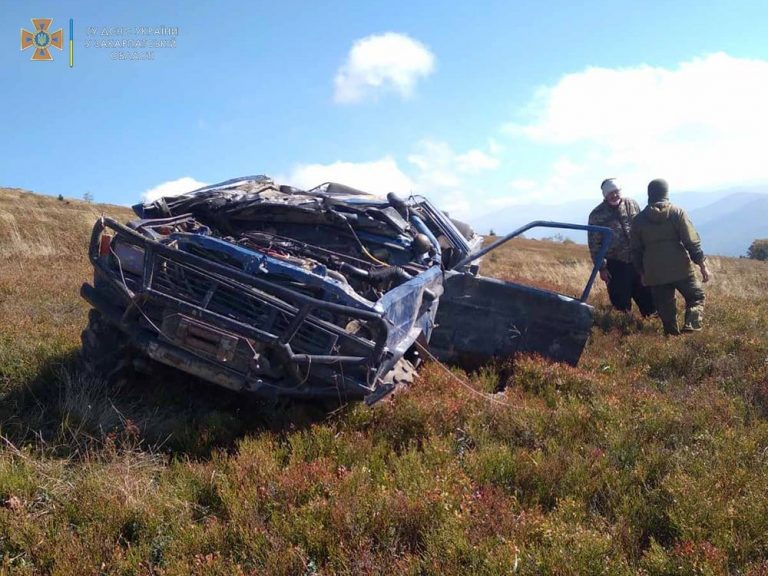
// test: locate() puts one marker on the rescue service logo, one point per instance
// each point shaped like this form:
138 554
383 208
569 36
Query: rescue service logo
41 39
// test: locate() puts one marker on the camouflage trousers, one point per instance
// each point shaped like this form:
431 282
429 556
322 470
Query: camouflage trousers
693 294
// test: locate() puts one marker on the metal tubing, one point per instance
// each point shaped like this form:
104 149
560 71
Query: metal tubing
606 233
114 315
235 275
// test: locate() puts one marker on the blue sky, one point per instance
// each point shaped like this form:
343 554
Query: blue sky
479 105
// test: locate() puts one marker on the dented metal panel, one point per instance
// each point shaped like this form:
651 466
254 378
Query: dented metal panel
483 318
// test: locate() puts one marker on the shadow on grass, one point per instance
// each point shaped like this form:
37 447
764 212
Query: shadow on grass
72 413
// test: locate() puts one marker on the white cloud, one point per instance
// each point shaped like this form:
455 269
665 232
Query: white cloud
456 202
522 189
377 177
172 188
476 161
434 169
701 124
436 163
442 167
522 184
442 174
385 62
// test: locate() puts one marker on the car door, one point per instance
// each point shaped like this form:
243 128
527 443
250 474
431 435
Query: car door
481 318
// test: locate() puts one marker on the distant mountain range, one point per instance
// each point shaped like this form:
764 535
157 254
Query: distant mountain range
728 220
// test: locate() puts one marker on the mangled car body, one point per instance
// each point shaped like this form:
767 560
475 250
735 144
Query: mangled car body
307 293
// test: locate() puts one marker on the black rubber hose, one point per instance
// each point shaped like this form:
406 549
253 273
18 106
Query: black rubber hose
381 275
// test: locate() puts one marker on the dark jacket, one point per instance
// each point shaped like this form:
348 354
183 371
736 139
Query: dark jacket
664 244
619 220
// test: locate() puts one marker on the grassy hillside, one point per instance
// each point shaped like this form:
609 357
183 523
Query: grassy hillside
649 458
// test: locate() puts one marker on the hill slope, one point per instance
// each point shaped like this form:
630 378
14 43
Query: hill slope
650 457
32 225
734 224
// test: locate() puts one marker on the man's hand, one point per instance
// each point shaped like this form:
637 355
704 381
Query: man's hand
605 276
704 272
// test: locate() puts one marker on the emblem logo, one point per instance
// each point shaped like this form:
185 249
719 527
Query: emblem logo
41 39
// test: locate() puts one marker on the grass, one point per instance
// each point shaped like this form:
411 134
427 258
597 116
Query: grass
649 458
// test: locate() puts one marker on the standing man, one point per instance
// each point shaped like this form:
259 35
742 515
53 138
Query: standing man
665 246
616 270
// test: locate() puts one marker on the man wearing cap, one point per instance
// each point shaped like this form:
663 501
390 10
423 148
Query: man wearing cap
616 269
665 246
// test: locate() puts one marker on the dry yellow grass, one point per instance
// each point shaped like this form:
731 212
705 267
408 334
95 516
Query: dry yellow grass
43 262
32 225
566 268
550 265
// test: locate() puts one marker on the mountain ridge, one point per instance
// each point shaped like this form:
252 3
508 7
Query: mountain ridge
728 220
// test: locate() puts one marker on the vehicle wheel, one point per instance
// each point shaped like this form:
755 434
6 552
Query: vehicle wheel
106 352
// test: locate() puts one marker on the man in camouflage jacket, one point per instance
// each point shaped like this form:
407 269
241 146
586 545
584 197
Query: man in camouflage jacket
665 246
616 269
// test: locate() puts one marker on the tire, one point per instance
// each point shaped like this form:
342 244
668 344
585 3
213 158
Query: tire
105 351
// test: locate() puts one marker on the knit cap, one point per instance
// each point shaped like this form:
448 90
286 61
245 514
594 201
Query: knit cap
658 190
608 186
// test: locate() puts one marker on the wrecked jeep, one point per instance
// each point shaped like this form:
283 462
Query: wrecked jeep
322 293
